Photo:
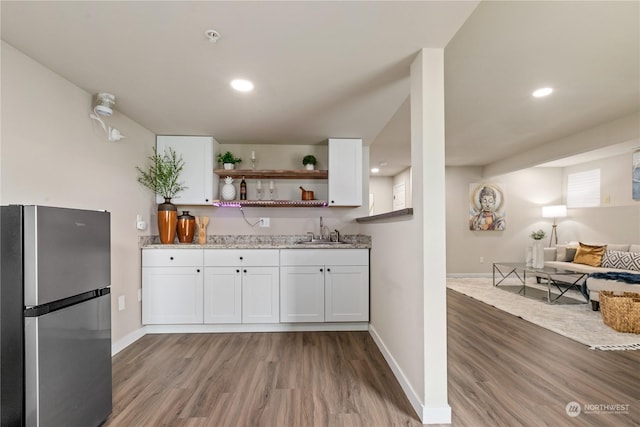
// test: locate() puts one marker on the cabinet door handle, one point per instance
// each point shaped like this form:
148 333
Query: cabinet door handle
241 258
198 271
329 270
171 258
244 270
238 271
320 270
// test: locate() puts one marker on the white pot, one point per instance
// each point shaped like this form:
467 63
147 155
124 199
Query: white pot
538 254
309 167
227 166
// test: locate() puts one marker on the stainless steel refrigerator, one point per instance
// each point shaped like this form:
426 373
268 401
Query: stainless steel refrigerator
55 316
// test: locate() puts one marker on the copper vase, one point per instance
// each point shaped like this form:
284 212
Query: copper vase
167 221
186 227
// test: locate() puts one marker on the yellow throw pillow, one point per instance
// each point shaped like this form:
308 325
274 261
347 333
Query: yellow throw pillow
589 255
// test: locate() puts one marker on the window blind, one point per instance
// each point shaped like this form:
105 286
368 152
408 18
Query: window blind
583 189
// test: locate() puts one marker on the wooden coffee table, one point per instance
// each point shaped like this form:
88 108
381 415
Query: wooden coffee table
571 278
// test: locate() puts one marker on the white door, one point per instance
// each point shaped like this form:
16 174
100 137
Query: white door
222 295
399 194
302 294
346 294
197 175
260 295
172 295
345 172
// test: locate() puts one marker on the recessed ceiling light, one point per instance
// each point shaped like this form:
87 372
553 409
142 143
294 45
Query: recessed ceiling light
242 85
545 91
375 170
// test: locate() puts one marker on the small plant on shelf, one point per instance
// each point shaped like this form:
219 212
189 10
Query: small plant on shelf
228 159
309 161
537 235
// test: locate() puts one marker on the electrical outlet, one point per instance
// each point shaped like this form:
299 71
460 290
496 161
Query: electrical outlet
481 259
121 303
265 222
140 223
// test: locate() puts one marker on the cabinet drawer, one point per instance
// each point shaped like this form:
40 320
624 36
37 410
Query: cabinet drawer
171 257
241 257
324 257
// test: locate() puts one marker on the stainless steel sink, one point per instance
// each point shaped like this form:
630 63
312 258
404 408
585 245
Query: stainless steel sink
319 242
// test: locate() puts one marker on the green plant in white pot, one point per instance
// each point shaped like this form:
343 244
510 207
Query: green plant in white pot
228 160
162 177
309 161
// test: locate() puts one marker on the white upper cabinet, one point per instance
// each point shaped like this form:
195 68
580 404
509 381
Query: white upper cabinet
345 172
197 175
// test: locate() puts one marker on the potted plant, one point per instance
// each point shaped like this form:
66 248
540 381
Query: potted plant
309 161
161 176
228 160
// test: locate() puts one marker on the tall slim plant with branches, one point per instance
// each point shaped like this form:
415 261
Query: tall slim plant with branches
162 173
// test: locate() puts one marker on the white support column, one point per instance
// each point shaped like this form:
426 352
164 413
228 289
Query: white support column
427 153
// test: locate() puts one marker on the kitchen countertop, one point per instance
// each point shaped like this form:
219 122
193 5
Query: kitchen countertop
353 241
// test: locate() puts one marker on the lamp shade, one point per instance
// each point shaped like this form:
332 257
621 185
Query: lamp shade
555 211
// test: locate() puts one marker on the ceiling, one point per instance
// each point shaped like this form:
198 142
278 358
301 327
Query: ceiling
341 69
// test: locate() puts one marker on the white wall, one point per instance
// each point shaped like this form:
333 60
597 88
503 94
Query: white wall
525 194
616 221
381 187
53 154
618 217
408 305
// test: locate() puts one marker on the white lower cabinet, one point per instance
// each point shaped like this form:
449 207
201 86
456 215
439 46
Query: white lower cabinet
324 285
233 286
346 293
301 294
222 295
172 284
260 295
241 286
171 295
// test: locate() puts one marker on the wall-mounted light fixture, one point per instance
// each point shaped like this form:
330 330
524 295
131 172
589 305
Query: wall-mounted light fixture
103 106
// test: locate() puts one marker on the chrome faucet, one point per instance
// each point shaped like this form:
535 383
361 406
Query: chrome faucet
321 229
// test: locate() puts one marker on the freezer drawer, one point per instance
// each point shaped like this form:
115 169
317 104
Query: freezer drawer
68 365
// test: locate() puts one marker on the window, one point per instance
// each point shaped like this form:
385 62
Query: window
583 189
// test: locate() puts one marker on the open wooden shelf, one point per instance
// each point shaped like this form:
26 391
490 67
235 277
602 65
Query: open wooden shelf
271 203
272 174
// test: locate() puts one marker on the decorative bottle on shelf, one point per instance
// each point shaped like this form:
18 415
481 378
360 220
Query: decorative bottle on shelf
243 189
228 190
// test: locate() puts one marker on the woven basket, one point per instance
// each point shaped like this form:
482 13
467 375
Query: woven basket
621 312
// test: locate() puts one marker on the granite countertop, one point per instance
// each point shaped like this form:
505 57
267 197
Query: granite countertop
353 241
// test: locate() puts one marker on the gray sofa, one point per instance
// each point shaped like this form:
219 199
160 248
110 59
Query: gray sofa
561 256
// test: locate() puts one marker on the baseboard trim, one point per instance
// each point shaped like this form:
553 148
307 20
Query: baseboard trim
256 327
436 415
127 340
397 372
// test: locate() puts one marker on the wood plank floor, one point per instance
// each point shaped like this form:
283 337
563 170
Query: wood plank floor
503 371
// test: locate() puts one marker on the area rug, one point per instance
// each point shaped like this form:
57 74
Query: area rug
575 321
